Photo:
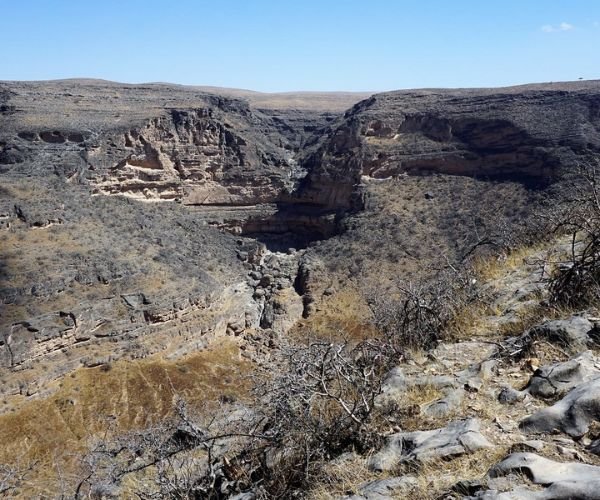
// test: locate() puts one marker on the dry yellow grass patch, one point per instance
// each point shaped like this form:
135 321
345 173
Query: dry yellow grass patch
438 476
421 395
526 319
477 321
343 477
497 274
125 395
493 268
434 478
471 321
343 315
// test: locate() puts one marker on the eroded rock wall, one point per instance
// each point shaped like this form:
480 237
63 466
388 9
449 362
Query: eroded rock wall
530 133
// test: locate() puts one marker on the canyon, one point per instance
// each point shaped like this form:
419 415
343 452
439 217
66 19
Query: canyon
144 210
164 220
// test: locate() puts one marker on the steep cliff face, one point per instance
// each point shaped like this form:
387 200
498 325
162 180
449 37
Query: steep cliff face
207 150
196 158
530 133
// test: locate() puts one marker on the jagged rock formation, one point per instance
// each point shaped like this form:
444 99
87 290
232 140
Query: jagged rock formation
414 162
153 144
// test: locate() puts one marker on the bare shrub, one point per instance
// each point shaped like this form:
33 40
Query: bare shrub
13 476
414 316
577 283
321 405
179 458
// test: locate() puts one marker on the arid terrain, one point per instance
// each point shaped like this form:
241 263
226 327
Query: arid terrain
219 293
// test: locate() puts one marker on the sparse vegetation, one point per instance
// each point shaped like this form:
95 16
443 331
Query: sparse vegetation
148 353
577 282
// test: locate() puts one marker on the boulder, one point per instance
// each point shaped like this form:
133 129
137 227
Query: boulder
443 406
572 415
509 395
563 481
385 489
557 379
457 438
541 470
571 333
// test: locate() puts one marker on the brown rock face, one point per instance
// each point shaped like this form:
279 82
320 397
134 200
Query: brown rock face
158 142
90 270
194 157
530 133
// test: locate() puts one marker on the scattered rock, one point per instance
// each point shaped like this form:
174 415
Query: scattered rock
571 333
467 487
508 395
570 480
397 382
444 406
557 379
528 446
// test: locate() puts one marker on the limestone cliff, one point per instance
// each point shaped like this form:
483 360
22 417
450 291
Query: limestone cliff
530 133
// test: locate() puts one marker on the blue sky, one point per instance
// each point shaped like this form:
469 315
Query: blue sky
303 44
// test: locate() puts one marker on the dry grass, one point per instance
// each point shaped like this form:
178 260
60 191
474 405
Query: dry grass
421 395
481 321
436 477
526 318
499 277
494 268
345 477
41 245
410 414
343 315
123 396
471 321
342 477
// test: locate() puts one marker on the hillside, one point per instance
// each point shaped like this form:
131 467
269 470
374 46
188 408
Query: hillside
163 243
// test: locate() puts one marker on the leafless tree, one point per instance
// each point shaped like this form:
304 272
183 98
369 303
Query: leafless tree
414 315
321 404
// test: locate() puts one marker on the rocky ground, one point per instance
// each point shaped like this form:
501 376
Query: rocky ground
508 412
149 229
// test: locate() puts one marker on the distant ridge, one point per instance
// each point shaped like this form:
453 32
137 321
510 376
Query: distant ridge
302 100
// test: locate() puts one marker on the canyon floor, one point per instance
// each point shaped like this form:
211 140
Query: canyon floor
166 252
